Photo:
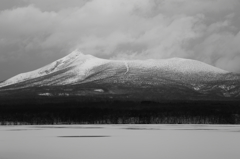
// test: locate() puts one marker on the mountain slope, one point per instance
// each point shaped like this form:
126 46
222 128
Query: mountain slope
86 75
73 60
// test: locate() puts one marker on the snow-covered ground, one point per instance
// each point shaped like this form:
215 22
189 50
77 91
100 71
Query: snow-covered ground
120 142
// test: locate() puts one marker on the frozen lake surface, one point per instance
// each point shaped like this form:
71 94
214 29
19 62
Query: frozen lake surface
120 142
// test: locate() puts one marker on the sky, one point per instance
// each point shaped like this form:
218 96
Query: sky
34 33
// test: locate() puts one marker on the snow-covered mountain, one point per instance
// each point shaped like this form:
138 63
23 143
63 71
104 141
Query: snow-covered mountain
79 74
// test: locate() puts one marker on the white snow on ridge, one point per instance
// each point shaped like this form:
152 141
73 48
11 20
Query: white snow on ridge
178 64
194 66
82 70
72 60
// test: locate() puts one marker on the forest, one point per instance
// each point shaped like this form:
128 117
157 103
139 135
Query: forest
73 110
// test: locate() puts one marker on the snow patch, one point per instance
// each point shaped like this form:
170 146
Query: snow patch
126 64
45 94
63 94
99 90
227 88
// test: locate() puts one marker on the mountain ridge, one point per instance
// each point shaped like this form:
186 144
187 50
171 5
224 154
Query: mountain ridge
65 61
117 77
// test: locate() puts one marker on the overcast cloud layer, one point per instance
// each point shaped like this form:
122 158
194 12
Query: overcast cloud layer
34 33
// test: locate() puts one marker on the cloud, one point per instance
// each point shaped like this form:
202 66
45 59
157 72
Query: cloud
56 5
221 50
41 30
10 4
192 7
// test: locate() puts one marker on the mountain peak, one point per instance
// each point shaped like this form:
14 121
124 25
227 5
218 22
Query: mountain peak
77 66
77 54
